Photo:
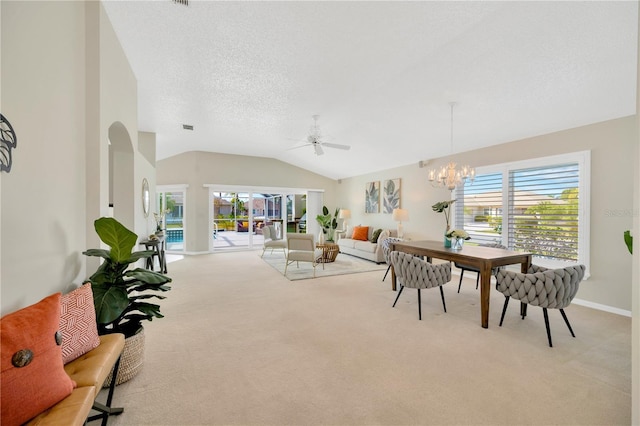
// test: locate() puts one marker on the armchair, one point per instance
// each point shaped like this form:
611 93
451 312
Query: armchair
547 288
301 248
414 272
270 240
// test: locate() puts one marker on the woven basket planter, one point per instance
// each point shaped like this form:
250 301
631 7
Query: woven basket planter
131 360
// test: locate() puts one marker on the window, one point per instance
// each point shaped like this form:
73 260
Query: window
539 206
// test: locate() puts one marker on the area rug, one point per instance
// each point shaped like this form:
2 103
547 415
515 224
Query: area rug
344 264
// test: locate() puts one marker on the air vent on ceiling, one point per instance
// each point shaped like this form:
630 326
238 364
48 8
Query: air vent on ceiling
183 2
187 127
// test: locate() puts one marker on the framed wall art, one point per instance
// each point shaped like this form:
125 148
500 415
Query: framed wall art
372 197
390 195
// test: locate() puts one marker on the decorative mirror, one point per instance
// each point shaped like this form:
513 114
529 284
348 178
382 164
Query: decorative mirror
145 197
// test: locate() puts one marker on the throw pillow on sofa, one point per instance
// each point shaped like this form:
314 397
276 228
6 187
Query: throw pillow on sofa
360 233
78 323
32 374
375 235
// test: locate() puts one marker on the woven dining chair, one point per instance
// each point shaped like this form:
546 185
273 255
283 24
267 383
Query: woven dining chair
546 288
414 272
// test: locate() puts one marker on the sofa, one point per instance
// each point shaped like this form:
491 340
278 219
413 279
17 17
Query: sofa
54 363
364 243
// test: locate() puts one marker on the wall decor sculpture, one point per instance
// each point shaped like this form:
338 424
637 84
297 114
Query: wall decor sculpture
372 197
8 141
390 195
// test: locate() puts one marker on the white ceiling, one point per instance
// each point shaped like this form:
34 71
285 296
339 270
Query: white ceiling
249 75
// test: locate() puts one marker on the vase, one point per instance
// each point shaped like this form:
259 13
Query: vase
321 237
447 240
457 244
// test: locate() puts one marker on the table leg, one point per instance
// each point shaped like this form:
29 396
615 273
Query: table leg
485 293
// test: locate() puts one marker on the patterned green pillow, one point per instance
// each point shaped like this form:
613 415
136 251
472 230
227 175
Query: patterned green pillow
376 234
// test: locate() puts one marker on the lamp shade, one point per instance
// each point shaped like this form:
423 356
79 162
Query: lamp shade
344 214
400 215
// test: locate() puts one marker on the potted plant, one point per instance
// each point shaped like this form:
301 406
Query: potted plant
121 294
329 223
445 207
459 235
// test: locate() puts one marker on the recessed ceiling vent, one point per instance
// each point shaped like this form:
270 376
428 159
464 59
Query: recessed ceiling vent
187 127
183 2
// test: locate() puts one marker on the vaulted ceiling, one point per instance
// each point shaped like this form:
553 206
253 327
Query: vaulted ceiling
249 76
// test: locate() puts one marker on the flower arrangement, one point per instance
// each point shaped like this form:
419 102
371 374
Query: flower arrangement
159 217
458 234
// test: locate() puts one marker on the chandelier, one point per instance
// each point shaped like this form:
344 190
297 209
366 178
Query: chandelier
451 175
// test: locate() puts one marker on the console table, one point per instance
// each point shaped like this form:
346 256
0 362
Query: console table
158 248
483 258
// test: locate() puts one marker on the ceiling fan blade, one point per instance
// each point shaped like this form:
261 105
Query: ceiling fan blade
299 146
335 145
318 149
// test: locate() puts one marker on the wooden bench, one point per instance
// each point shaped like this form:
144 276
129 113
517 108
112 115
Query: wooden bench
89 371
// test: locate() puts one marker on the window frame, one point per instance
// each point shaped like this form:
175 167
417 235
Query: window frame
583 159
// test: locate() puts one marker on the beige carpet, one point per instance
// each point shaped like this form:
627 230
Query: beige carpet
242 345
344 264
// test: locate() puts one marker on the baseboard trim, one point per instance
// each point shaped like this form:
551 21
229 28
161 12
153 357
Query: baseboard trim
601 307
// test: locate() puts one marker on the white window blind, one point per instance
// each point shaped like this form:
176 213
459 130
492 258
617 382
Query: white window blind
543 205
539 206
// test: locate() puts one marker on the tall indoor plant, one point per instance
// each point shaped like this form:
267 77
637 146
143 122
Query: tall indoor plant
329 223
120 294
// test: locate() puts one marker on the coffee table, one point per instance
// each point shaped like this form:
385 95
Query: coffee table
329 252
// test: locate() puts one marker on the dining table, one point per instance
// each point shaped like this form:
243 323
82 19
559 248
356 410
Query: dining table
485 259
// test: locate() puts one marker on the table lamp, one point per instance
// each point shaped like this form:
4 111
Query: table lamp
400 215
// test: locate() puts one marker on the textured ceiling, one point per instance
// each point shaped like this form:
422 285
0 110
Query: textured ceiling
249 75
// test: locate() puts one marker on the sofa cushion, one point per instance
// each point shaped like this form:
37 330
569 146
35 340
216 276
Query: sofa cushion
41 383
78 323
360 233
365 246
346 242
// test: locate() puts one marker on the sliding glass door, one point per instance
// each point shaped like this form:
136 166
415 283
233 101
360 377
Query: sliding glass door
238 215
172 203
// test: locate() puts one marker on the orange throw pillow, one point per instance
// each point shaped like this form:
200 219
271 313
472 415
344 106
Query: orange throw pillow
32 375
360 233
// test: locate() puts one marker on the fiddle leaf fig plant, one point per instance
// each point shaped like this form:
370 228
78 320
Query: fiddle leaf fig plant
121 294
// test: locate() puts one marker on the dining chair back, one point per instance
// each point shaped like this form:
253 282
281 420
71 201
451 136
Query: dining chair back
413 272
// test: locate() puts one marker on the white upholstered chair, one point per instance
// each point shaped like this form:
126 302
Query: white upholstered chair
301 248
414 272
270 241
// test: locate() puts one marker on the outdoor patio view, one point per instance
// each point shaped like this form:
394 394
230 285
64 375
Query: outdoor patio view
238 218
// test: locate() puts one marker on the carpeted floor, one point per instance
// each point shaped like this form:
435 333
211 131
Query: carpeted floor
344 264
242 345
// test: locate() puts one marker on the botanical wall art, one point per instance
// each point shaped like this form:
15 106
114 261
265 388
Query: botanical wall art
390 195
372 197
8 141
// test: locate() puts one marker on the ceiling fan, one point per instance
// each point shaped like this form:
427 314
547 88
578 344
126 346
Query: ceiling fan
315 139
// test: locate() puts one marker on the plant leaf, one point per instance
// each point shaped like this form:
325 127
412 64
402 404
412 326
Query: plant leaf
628 240
110 302
117 236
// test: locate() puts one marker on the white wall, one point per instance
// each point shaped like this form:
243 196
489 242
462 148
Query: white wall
65 81
611 144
